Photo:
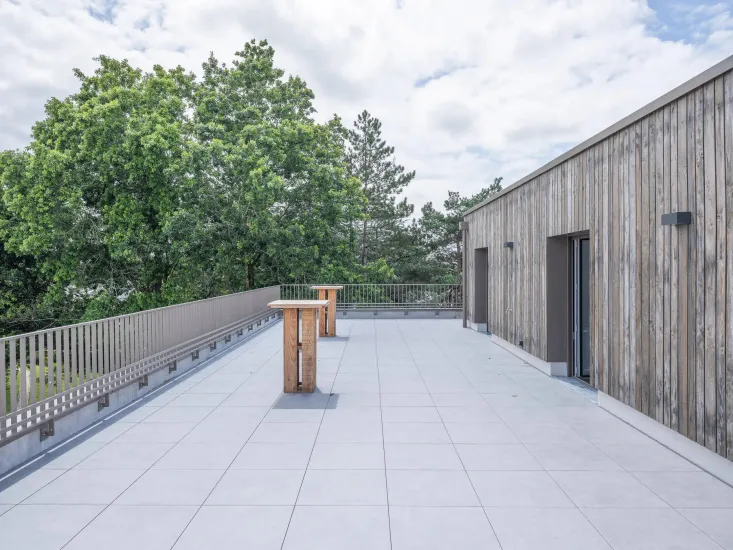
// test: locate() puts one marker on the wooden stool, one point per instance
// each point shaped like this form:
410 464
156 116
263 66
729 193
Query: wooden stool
291 343
327 319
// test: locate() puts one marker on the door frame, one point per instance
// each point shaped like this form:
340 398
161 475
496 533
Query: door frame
575 316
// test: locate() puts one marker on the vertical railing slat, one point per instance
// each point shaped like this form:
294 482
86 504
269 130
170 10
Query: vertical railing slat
99 329
42 365
33 390
67 359
93 356
74 352
4 372
22 373
108 347
58 366
13 377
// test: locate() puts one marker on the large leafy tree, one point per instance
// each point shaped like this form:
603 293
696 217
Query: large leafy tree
98 182
383 229
442 238
150 188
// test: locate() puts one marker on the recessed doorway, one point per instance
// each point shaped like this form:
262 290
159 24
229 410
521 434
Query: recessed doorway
580 308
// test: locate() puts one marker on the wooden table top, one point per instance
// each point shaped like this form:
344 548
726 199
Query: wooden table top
327 287
298 304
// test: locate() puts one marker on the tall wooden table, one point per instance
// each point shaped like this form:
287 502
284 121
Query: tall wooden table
306 344
327 319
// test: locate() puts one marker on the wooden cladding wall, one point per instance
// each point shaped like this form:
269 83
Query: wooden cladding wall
661 296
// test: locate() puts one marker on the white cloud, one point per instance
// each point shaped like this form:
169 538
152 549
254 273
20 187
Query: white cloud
515 83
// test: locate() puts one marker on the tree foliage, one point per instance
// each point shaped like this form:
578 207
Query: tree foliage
383 228
149 188
442 238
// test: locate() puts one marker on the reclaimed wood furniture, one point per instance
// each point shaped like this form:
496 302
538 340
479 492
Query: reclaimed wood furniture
327 318
292 309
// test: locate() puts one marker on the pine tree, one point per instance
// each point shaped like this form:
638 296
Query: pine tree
372 162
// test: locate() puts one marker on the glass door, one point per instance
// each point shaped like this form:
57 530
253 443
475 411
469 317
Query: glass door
581 308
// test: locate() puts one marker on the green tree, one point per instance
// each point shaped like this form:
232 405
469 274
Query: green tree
151 188
371 161
273 200
99 180
443 239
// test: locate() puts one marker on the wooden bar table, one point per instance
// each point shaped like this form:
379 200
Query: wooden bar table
327 321
306 344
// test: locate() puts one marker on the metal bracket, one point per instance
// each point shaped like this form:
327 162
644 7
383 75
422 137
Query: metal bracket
259 322
249 328
227 338
212 346
677 218
173 367
240 332
47 430
144 381
195 354
103 402
437 312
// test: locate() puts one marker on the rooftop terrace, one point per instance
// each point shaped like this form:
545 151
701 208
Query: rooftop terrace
422 435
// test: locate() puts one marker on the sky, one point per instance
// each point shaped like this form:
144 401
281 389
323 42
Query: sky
467 90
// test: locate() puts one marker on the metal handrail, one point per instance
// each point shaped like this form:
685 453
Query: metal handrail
71 365
421 296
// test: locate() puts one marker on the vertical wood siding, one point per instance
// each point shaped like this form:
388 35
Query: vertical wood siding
661 296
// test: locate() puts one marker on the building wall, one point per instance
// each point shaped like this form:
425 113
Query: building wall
661 296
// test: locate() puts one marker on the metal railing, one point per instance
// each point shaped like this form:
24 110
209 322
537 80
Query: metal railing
385 296
49 373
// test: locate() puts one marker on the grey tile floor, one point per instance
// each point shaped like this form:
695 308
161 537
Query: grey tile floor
422 435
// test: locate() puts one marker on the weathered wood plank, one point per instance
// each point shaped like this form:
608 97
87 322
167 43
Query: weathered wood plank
709 265
654 378
682 266
692 432
720 268
623 216
593 228
673 246
290 350
645 273
659 287
666 237
635 260
700 266
309 358
728 86
606 278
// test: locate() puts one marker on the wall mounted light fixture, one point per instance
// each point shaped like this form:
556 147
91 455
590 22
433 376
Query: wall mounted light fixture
677 218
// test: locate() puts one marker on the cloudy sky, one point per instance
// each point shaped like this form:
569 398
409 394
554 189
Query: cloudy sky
466 89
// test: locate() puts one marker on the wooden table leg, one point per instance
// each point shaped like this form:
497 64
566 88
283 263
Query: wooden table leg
332 312
322 314
290 350
308 347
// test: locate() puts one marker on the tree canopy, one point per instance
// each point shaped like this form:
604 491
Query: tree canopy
145 189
